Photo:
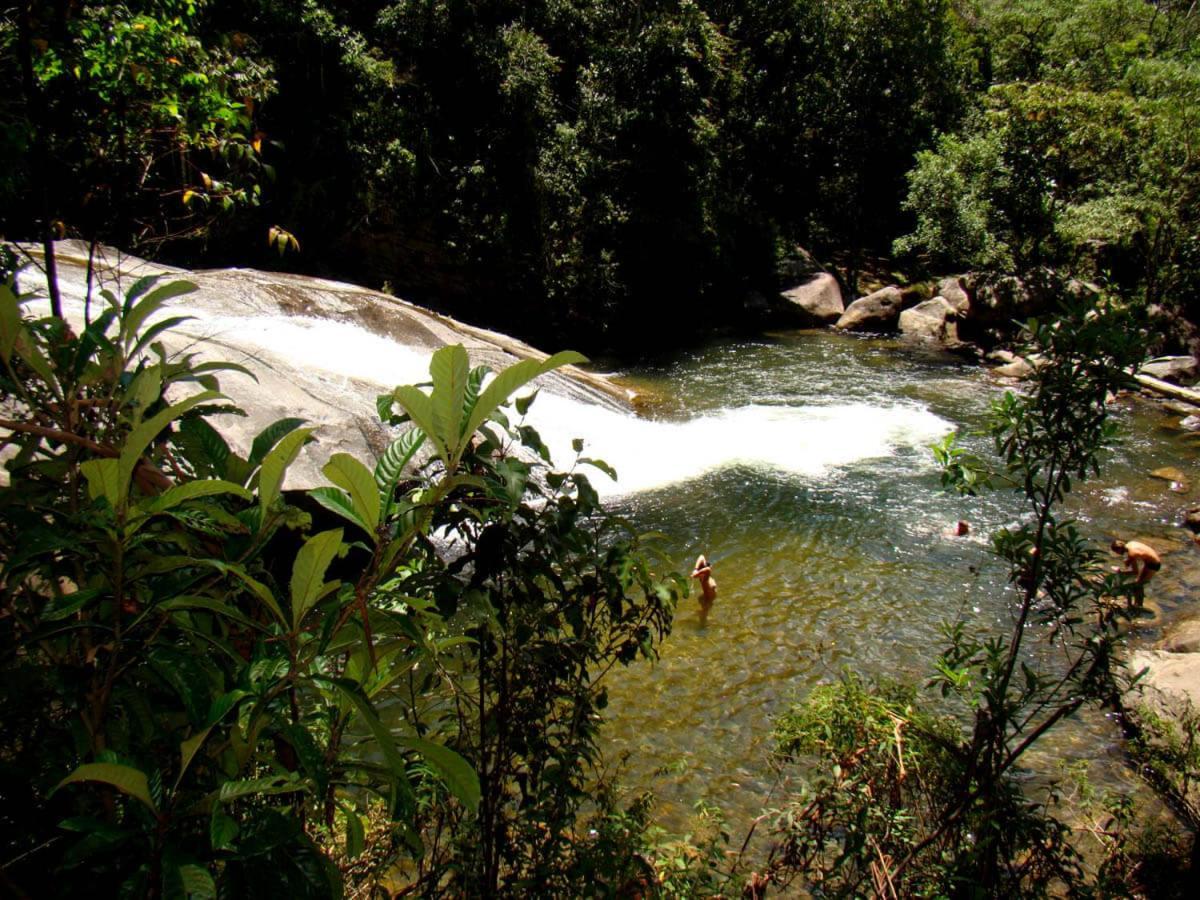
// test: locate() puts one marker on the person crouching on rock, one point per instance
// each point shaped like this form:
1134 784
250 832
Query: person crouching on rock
1143 561
708 585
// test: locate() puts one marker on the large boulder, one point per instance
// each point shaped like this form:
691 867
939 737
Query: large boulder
1169 679
320 350
879 311
998 302
816 301
956 290
934 320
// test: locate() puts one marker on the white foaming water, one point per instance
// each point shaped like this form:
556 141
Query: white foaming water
808 441
335 348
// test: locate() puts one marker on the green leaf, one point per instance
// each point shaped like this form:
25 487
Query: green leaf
131 322
10 322
156 330
222 829
347 472
190 490
210 605
197 882
454 771
103 478
254 787
140 438
188 750
420 410
513 378
450 369
383 737
390 468
355 833
125 779
270 436
338 501
200 438
274 465
308 572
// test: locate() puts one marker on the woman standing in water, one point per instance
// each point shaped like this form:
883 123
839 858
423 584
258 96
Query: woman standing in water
708 585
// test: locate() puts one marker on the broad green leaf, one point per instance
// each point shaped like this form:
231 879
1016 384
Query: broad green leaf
390 468
513 378
270 436
308 572
103 478
270 476
10 322
450 369
154 331
197 883
137 289
125 779
420 410
454 771
254 787
140 438
190 490
188 750
36 360
348 473
145 390
387 745
338 501
132 321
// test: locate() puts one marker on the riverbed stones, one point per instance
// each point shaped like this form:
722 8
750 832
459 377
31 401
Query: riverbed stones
1169 679
879 311
1175 475
1018 368
933 320
1176 369
1183 637
816 301
954 290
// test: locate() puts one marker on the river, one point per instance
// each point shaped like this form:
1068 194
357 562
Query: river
800 464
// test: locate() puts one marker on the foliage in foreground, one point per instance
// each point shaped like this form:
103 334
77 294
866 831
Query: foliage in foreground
201 672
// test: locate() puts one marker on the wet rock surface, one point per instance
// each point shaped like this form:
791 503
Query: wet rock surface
321 350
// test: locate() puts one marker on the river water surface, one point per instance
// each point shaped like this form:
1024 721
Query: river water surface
800 464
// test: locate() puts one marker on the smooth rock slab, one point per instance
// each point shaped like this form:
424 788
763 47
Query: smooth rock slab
1175 677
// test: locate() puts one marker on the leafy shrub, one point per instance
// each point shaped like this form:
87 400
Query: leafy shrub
196 679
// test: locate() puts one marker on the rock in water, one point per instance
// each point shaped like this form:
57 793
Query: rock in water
879 311
934 320
817 301
956 292
321 350
1177 369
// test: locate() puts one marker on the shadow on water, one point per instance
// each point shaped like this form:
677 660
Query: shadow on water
844 562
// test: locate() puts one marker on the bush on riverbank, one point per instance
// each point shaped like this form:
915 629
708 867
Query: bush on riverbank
201 674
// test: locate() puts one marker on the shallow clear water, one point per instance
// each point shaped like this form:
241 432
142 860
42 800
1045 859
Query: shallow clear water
799 464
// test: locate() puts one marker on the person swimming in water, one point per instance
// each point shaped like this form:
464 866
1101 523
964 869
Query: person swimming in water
702 572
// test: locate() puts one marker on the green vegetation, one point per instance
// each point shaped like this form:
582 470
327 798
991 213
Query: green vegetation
603 170
214 687
200 675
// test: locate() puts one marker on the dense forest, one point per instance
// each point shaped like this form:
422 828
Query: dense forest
606 171
213 687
